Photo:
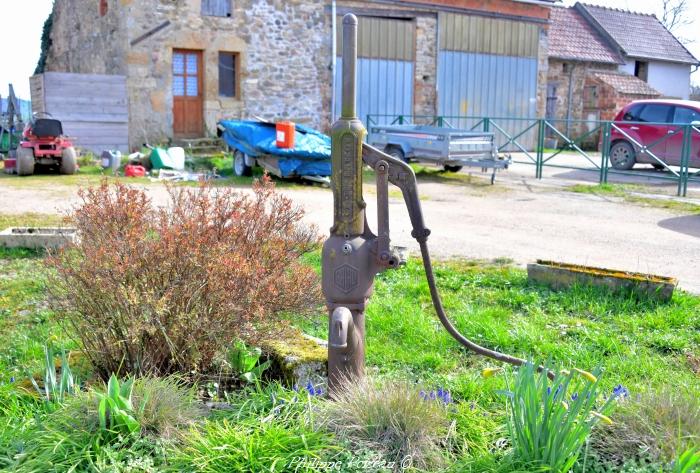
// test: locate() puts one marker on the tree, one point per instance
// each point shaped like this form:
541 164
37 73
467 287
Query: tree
674 15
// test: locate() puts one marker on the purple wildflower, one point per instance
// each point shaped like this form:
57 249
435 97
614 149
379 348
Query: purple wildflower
620 391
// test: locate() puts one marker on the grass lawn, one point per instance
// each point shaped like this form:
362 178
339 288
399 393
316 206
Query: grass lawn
637 194
649 347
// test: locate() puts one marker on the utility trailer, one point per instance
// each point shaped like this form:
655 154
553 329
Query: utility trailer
450 148
253 142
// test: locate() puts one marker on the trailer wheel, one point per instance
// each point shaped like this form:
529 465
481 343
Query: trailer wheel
25 161
449 168
69 161
396 152
240 168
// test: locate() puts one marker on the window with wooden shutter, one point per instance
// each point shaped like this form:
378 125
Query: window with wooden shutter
228 74
216 7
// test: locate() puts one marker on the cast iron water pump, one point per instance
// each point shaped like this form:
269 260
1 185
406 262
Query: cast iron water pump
353 255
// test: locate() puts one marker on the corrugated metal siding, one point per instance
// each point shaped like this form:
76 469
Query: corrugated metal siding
487 67
382 38
384 87
475 34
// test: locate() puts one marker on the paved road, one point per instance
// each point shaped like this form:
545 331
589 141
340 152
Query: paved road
519 218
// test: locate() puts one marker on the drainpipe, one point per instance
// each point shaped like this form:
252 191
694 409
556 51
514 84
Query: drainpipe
334 51
568 103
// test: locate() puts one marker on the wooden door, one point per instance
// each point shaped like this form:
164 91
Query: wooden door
188 114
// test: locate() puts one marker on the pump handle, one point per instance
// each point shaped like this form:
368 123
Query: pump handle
402 176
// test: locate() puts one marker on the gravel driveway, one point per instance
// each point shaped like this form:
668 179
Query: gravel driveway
519 218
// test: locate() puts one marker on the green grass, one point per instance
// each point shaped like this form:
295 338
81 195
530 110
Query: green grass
629 193
645 345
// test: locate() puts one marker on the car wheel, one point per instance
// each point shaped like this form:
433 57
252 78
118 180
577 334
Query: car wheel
397 153
69 161
25 161
622 156
449 168
240 168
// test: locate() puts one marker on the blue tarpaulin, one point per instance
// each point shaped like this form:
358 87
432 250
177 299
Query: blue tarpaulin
311 155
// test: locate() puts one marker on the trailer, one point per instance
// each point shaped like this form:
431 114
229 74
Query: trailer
450 148
253 142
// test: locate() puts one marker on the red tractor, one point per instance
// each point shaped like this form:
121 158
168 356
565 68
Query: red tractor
43 143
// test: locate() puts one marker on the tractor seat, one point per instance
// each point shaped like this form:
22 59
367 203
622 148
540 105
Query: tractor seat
46 127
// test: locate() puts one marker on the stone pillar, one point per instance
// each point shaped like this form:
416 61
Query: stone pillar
425 81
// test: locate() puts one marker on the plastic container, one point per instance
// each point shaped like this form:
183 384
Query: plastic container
111 159
285 134
134 170
10 165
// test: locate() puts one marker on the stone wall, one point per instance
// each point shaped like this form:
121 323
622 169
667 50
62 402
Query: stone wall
85 42
557 76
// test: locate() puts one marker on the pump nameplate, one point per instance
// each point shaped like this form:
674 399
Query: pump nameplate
345 278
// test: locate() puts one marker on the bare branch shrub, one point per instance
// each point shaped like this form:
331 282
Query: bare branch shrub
158 290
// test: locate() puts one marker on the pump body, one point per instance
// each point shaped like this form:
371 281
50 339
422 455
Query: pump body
352 254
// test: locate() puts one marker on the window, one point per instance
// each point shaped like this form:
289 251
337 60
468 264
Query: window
632 114
216 8
686 115
228 74
103 7
185 74
641 70
590 96
655 113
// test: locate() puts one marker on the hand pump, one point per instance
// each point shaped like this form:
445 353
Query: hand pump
353 255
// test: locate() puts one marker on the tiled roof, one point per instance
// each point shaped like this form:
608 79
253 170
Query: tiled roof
638 35
572 37
626 84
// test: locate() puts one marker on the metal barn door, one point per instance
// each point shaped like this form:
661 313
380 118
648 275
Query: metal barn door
487 67
385 68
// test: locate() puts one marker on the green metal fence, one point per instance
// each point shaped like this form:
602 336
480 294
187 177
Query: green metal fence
529 137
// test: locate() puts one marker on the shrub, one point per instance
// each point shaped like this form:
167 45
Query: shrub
548 424
656 425
405 425
160 290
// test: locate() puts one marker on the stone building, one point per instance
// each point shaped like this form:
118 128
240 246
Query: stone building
589 76
189 63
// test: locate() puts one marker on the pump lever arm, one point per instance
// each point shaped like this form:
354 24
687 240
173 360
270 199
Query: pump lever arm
403 177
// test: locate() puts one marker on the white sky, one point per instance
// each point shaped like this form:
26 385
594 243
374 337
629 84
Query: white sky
21 22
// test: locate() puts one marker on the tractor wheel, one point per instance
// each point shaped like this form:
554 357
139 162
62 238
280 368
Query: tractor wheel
69 162
25 161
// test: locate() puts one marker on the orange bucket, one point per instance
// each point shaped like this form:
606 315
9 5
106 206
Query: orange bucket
285 134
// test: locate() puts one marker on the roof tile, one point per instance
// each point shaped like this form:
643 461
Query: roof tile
572 37
627 84
639 35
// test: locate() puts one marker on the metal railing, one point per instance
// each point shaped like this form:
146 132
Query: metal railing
529 137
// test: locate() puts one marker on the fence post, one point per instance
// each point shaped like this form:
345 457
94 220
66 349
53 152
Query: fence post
439 121
685 160
487 124
400 119
605 153
539 163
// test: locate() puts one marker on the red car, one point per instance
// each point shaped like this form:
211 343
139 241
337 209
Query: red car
624 153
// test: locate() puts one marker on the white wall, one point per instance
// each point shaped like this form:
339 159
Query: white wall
671 79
